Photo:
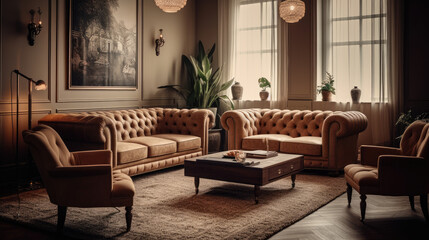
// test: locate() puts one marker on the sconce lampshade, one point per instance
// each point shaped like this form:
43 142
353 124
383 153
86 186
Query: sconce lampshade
170 6
292 10
40 85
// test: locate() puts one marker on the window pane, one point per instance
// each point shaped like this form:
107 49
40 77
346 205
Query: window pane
371 29
250 15
344 31
340 8
248 71
354 8
269 38
249 40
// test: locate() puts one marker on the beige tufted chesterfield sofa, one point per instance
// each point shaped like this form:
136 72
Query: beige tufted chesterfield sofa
141 140
328 140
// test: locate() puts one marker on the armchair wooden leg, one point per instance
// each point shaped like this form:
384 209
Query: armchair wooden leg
412 202
424 205
128 217
62 211
362 207
349 194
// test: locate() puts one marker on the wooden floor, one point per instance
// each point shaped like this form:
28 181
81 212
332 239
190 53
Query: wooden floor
386 218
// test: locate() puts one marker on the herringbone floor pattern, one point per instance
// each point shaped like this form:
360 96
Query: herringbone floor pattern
386 218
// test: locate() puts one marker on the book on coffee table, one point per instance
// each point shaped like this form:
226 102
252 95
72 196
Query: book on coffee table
261 154
226 161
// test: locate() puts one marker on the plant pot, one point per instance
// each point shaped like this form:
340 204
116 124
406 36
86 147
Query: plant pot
264 95
237 91
326 95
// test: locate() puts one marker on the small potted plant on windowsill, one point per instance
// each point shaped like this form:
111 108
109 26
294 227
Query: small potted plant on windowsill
327 87
264 84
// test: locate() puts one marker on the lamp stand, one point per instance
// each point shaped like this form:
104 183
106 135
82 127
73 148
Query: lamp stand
30 91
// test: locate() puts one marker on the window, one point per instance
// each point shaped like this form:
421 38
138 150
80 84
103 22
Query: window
354 47
256 46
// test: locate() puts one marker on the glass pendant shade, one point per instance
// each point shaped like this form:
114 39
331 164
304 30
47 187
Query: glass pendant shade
292 10
170 6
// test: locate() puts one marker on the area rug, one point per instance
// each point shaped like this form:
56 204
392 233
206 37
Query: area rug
166 207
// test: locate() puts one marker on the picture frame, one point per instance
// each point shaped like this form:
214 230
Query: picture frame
103 44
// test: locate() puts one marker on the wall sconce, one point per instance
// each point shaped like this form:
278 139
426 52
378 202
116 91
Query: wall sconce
159 42
33 28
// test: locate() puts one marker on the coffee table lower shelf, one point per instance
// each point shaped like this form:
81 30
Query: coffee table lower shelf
269 170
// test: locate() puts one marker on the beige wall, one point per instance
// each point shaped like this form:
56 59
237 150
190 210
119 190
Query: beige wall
47 60
207 25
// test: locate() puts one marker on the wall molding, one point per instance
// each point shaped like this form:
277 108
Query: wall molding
41 111
76 110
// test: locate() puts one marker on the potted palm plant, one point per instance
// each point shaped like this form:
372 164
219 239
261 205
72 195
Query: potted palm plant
264 84
327 87
206 89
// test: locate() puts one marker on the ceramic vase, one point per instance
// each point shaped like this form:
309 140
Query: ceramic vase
326 95
237 91
264 95
355 93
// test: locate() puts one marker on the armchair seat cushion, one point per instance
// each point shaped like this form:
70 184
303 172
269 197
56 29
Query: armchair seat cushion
307 145
130 152
122 189
156 146
363 178
184 142
257 142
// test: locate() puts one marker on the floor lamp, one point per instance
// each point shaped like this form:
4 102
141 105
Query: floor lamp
38 85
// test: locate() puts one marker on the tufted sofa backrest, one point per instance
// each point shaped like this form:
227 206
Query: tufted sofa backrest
132 123
294 123
149 121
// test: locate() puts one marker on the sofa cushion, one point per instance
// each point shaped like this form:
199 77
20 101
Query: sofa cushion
184 142
307 145
156 146
130 152
363 177
256 142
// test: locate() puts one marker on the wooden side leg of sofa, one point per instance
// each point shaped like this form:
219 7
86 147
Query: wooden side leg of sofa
128 217
349 194
62 211
362 207
411 198
424 205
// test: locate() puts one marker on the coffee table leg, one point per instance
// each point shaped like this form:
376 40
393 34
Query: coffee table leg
197 184
293 177
257 192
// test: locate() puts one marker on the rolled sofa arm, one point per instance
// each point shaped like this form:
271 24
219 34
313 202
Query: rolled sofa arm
240 124
83 132
347 123
340 133
196 122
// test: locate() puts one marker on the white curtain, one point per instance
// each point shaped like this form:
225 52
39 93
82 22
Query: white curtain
227 37
248 42
362 47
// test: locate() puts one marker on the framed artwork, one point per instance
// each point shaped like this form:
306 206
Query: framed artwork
102 44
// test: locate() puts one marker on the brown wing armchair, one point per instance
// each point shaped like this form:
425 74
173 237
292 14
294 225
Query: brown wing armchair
78 179
393 171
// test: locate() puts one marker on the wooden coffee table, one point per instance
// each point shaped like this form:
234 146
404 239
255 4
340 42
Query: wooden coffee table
268 170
